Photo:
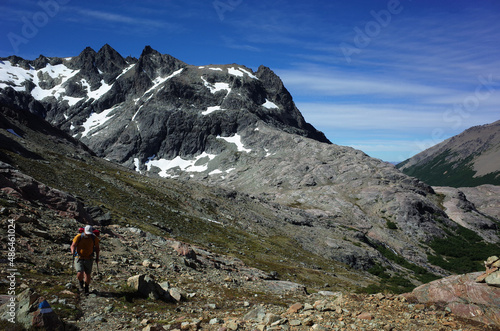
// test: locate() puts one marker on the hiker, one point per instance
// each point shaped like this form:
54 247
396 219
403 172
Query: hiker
83 247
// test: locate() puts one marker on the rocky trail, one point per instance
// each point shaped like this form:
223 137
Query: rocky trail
187 287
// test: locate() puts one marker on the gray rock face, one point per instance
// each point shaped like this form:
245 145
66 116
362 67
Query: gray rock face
465 213
486 198
156 106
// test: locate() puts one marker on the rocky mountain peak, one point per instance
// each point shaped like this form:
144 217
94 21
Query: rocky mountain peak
149 50
289 114
176 109
41 62
268 77
19 61
109 61
85 59
155 64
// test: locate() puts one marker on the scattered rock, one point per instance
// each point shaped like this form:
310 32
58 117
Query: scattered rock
492 274
493 279
257 314
184 250
295 308
365 316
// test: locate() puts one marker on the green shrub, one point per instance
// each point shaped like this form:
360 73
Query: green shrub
391 225
462 251
421 274
379 271
394 284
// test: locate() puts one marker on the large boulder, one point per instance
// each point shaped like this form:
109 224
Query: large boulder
148 287
463 296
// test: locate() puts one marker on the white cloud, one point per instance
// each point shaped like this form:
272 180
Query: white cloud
369 116
324 81
118 18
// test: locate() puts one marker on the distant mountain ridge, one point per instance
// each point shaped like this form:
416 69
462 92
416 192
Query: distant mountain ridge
469 159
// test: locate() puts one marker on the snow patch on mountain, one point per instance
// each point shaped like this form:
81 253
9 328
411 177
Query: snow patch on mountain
216 87
240 72
236 139
248 73
125 70
160 80
211 110
198 164
235 72
97 120
136 113
96 94
270 105
59 72
14 76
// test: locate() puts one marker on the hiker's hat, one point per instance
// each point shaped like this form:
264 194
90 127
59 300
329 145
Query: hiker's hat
88 229
80 230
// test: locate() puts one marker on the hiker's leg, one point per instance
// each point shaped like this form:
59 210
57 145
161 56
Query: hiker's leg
88 274
87 278
79 271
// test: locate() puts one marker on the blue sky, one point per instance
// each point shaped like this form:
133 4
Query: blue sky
388 77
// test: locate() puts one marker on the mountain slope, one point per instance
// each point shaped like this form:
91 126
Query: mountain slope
269 173
189 211
469 159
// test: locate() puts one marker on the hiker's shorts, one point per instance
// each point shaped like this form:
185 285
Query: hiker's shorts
83 265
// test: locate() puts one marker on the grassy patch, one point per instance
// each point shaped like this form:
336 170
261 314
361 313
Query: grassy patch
379 271
393 284
461 251
421 274
391 225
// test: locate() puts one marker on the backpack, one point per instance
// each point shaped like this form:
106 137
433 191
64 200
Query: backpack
93 236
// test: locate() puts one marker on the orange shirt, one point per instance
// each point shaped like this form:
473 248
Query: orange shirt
85 245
